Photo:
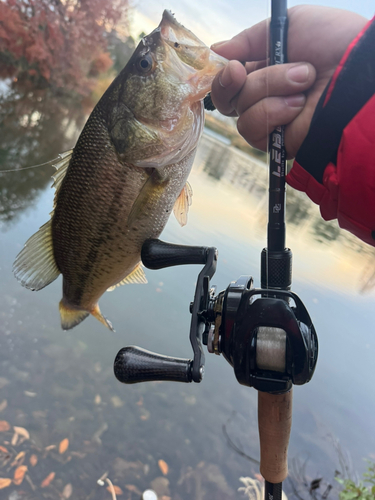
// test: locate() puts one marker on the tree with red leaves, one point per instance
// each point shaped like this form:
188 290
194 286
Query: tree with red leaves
61 43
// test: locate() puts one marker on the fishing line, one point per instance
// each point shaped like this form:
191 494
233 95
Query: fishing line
28 168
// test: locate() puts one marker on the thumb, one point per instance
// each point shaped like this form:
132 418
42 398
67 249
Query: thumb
249 45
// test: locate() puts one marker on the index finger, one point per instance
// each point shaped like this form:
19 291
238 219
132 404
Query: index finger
249 45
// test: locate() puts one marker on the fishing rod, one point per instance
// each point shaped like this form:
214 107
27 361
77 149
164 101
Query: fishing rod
275 410
265 334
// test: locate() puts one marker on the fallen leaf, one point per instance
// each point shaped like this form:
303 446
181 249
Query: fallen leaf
144 414
63 446
48 480
30 394
3 404
117 402
20 455
3 449
117 489
5 482
67 491
97 399
3 382
33 460
22 432
163 466
140 401
19 474
14 439
121 466
160 485
50 447
19 459
78 454
164 497
134 489
4 426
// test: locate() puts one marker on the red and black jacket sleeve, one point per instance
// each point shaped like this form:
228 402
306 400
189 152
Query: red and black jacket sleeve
335 165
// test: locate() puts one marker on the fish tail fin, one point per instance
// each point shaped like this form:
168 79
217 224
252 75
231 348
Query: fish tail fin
99 316
70 317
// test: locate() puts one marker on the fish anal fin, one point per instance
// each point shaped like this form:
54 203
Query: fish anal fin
183 202
99 316
71 317
137 276
35 266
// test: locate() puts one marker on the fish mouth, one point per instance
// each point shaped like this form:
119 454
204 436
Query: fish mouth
200 62
202 80
168 18
172 31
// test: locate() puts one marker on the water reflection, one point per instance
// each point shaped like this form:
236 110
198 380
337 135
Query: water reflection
228 165
35 126
60 385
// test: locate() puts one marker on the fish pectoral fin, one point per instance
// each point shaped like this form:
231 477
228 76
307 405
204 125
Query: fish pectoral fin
71 317
183 202
35 266
137 276
99 316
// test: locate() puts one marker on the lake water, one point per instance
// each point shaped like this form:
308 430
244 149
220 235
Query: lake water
59 385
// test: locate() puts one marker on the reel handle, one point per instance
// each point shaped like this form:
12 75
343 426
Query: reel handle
158 254
134 364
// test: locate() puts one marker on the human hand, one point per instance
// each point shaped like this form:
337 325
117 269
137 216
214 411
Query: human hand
264 97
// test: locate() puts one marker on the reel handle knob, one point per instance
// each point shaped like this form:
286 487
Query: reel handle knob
158 254
134 364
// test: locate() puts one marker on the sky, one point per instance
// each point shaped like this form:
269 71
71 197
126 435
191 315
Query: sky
216 20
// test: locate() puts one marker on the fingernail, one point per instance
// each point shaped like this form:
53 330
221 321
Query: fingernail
298 74
295 101
225 79
218 44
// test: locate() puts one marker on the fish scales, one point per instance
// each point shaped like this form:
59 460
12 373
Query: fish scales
89 223
126 174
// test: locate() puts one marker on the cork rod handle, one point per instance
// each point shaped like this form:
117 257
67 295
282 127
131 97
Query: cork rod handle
274 421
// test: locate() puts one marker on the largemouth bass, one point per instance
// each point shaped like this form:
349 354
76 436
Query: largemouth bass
125 175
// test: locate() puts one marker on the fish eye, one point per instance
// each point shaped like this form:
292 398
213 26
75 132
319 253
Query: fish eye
144 64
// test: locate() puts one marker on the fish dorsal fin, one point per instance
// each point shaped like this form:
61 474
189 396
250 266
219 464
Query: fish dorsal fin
137 276
183 202
35 266
61 168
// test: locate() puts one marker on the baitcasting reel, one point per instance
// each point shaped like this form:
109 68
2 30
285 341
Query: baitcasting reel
270 343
